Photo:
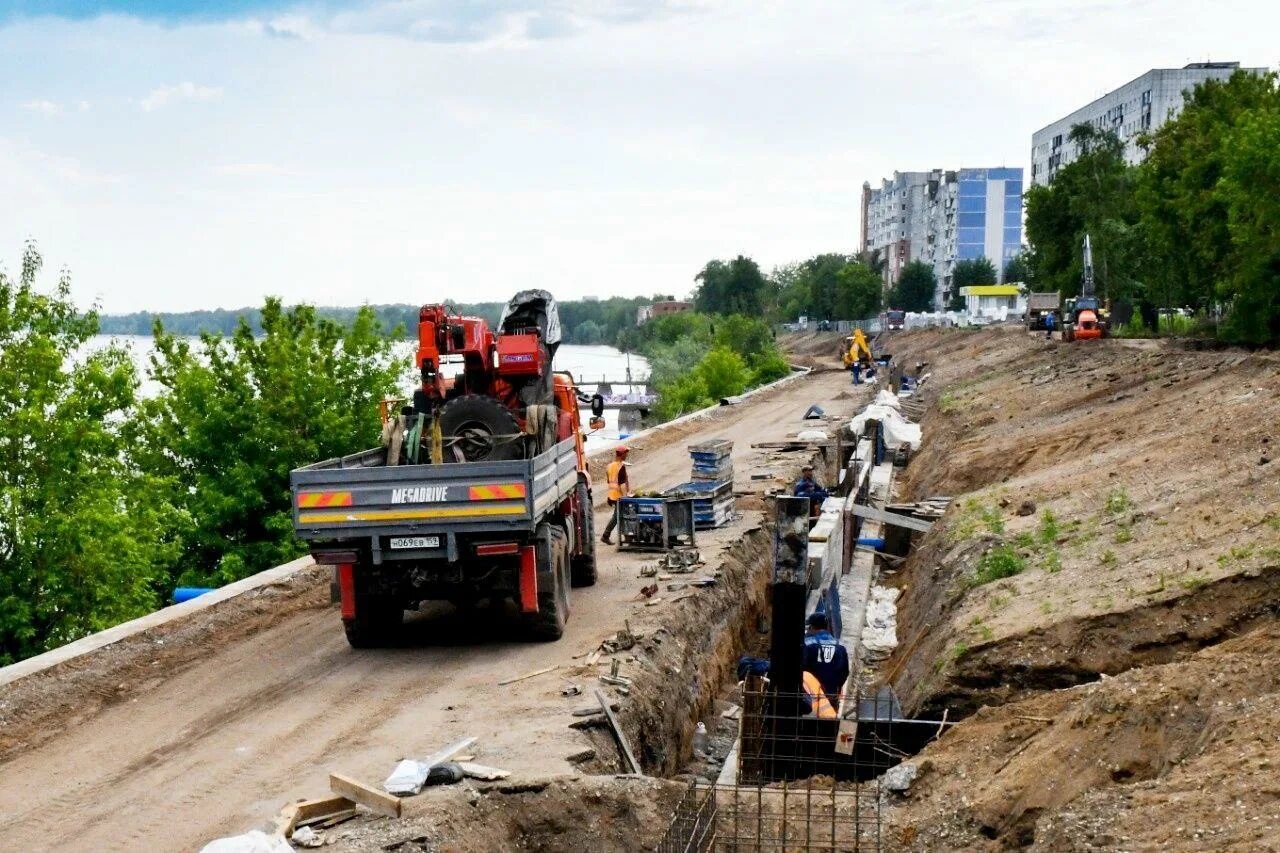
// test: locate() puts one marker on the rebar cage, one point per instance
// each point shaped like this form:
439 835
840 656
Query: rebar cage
802 782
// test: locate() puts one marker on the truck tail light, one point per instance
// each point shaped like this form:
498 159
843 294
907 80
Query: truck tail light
347 590
495 548
528 579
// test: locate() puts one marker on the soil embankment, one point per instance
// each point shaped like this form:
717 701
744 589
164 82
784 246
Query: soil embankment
1103 588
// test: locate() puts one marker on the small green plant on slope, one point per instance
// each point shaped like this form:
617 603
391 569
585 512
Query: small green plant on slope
997 564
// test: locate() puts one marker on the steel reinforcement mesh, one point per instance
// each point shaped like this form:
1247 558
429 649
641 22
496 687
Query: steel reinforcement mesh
803 782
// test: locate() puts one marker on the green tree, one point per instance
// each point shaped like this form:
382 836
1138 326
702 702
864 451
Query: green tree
732 287
80 531
236 415
1250 188
976 271
588 332
1094 195
1017 270
724 372
1186 218
915 288
858 292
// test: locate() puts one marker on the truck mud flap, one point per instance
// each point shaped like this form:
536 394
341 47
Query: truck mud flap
528 579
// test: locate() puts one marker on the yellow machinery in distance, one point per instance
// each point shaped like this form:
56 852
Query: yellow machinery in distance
856 350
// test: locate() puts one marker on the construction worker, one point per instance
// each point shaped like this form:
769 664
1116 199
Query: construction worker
807 487
1049 322
825 658
619 487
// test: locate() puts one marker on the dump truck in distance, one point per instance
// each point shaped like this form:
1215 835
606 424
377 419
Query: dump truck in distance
479 491
1039 305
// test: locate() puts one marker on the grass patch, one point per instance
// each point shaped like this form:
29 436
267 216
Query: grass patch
1191 584
1109 559
1047 530
975 517
1235 555
1051 561
1118 501
997 564
947 403
1123 535
1046 607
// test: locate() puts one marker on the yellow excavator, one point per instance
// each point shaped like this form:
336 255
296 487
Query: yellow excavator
856 350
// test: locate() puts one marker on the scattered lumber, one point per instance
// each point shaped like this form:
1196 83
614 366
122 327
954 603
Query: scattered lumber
633 766
371 798
536 672
893 518
307 812
483 772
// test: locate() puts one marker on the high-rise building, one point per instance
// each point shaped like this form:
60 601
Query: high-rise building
1140 106
941 217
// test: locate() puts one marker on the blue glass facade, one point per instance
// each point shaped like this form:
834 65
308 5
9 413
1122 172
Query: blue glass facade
989 215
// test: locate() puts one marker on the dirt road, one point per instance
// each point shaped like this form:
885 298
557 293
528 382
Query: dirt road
216 745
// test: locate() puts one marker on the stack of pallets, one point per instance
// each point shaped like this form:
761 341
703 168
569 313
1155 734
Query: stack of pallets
711 486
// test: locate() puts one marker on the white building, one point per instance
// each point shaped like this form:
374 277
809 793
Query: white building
941 217
1139 106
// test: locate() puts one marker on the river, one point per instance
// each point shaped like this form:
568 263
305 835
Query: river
588 364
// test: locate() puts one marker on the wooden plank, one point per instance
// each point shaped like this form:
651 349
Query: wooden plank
536 672
310 811
371 798
632 765
870 512
483 771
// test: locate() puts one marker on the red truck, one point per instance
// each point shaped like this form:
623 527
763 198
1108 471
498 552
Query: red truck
480 490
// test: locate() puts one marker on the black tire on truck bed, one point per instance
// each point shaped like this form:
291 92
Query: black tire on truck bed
552 548
482 428
378 617
584 565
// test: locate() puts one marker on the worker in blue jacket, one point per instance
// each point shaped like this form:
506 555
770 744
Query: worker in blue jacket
807 487
825 657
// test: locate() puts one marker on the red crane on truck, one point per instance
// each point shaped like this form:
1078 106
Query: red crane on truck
480 490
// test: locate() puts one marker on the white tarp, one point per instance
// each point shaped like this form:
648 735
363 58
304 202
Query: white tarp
255 841
897 429
880 633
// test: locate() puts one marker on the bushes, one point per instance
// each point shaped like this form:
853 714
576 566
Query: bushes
696 360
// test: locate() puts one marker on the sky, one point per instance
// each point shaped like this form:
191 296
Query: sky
177 155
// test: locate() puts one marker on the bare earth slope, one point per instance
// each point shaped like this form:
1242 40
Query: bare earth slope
174 746
1133 485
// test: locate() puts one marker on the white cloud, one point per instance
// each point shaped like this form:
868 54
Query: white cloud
186 91
255 170
48 108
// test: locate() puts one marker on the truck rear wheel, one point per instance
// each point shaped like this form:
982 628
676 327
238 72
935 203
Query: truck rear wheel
584 564
552 549
378 616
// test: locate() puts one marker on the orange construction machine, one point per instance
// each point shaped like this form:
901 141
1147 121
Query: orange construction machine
479 491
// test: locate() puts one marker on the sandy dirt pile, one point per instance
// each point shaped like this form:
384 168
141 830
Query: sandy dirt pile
1117 512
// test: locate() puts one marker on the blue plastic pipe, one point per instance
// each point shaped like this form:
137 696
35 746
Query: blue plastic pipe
878 544
186 593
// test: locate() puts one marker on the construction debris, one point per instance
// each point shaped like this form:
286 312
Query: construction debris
310 811
369 797
409 776
483 772
307 837
631 764
536 672
255 841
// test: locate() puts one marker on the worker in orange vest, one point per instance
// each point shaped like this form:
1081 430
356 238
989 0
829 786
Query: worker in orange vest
819 703
619 487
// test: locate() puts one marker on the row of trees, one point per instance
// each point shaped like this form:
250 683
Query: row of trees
696 359
826 286
108 500
1196 224
584 321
